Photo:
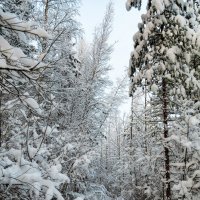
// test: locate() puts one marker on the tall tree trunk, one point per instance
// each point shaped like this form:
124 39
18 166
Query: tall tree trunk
145 115
0 117
131 128
166 134
46 9
46 12
118 146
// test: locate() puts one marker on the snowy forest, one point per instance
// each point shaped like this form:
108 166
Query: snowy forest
62 136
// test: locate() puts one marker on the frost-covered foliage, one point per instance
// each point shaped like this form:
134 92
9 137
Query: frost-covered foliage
90 111
29 166
53 104
165 62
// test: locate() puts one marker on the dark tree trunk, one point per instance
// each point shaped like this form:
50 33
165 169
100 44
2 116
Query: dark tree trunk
165 132
46 9
1 113
0 117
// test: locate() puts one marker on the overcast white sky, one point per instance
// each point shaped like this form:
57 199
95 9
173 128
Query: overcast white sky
124 26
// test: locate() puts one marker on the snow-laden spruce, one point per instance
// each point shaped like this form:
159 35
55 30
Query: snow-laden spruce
165 61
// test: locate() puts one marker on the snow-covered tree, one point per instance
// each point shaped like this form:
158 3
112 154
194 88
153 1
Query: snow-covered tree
27 166
165 45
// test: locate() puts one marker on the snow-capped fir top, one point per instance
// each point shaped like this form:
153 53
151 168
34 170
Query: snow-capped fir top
133 3
164 39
